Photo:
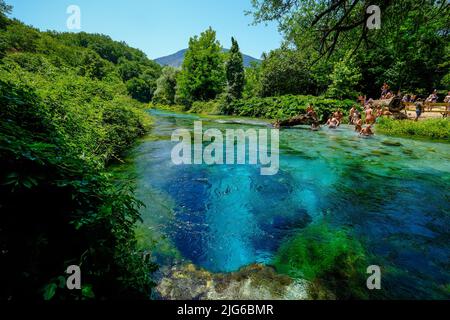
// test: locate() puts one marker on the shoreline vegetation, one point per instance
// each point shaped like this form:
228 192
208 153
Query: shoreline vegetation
431 129
71 104
434 129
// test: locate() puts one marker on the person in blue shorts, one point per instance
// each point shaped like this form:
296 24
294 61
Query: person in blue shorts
419 108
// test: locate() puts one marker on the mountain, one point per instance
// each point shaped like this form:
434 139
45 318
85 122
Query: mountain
176 59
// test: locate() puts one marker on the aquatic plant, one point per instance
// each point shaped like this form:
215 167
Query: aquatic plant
328 258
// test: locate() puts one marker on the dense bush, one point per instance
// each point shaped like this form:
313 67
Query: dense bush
208 107
285 106
166 86
169 107
140 89
58 206
64 115
430 128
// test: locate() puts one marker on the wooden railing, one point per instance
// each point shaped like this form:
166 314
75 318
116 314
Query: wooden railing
443 108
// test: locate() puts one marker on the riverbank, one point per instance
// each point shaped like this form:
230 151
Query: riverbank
438 129
430 128
253 282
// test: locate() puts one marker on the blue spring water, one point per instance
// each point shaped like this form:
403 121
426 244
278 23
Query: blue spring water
394 199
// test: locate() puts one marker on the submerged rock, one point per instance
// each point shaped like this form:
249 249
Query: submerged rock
391 143
254 282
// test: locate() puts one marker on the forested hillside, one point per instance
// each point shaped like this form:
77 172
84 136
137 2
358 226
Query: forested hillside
66 112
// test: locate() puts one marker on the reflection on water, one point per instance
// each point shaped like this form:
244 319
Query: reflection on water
390 192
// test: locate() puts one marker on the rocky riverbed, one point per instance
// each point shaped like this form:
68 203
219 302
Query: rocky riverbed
254 282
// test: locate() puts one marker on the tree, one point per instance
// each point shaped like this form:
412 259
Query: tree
129 69
285 71
252 86
344 79
333 22
203 75
4 9
410 50
21 37
235 71
140 89
93 66
166 86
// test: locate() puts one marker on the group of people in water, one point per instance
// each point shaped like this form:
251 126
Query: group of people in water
371 111
364 128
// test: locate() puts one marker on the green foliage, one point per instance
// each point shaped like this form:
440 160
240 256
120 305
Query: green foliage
108 49
134 68
64 116
171 108
166 86
286 106
21 38
344 79
252 87
4 9
203 76
285 71
235 71
430 128
319 253
410 51
129 69
140 89
205 107
93 66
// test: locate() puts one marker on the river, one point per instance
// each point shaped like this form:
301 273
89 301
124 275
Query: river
391 193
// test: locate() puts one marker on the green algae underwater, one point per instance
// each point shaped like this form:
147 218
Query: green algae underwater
339 204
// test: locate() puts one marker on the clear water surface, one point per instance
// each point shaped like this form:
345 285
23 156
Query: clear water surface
392 193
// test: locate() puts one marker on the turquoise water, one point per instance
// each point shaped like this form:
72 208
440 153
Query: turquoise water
391 193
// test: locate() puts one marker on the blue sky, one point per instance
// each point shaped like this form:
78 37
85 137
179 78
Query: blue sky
158 27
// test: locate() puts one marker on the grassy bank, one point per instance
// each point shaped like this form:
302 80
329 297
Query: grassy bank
170 108
430 128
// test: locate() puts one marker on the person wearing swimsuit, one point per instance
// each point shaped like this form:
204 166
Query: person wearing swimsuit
369 115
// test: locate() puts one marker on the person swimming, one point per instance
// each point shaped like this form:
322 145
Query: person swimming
351 115
358 124
370 118
356 116
333 123
366 131
338 115
315 126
